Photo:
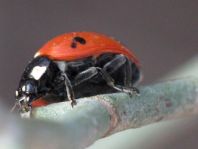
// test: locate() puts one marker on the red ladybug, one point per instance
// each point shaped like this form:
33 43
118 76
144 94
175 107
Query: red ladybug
74 65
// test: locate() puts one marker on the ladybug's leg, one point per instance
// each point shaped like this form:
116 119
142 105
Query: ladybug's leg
93 71
112 66
129 73
111 83
69 90
85 75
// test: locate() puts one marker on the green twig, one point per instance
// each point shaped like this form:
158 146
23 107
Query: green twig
98 116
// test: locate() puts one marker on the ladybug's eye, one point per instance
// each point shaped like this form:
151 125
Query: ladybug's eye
29 88
76 40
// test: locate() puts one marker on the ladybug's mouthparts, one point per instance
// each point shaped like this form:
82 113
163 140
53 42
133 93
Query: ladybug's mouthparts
23 105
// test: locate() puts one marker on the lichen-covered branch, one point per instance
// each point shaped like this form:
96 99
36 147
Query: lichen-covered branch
102 115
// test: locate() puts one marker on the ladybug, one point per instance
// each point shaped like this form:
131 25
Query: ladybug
74 65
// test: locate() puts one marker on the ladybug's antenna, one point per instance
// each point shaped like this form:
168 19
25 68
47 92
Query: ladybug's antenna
14 107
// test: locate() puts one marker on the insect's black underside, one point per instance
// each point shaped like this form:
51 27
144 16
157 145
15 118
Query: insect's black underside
116 68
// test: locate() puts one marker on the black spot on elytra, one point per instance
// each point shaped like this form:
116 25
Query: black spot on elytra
76 40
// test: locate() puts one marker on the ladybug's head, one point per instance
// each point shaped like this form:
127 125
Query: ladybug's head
26 92
35 82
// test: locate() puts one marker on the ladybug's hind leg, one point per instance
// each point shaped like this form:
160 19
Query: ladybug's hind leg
129 76
115 65
106 72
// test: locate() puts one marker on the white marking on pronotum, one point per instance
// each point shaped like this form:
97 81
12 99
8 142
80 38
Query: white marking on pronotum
37 72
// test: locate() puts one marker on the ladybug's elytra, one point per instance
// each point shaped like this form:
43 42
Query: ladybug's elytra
74 65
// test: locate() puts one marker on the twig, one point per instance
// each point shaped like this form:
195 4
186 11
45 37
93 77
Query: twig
102 115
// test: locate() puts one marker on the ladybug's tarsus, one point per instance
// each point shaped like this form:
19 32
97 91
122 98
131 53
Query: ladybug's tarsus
130 90
73 103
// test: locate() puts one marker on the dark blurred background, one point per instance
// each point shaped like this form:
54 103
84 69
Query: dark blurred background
163 34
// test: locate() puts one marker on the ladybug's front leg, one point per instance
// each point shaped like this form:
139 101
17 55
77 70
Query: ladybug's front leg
69 90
